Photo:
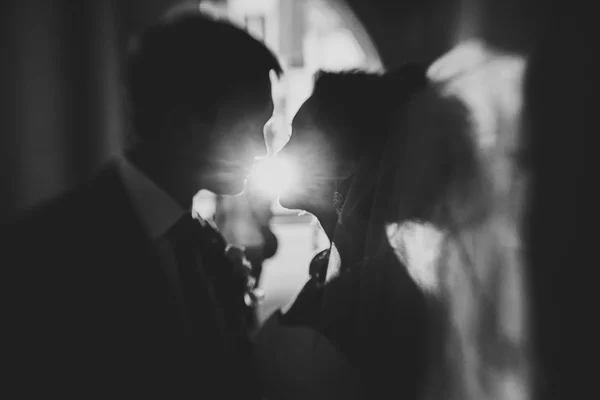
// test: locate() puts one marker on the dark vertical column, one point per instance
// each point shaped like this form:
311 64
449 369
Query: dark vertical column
38 134
561 243
89 83
62 88
9 121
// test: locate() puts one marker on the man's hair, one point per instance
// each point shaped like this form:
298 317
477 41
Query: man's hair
191 62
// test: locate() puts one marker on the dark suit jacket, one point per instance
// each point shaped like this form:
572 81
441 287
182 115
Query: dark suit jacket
88 310
377 318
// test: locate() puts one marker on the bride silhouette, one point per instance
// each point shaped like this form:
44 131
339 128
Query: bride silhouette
360 312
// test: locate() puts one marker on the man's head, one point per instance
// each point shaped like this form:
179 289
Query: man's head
200 94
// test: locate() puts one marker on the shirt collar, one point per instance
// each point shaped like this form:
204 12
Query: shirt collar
157 210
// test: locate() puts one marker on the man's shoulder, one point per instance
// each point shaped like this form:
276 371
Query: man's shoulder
41 216
56 217
36 237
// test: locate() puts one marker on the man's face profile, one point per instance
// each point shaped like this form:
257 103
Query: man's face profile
237 137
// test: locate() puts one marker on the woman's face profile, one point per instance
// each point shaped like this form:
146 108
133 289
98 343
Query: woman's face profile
319 149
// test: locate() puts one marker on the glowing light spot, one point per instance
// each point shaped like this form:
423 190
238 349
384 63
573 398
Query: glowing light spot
273 175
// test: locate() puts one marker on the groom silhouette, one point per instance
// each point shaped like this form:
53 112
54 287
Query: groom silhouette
115 289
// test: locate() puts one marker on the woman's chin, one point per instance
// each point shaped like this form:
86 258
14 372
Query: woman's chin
286 201
312 205
293 201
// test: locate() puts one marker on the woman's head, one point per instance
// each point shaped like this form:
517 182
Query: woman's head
343 122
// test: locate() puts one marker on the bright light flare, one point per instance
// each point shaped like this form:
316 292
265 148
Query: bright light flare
273 175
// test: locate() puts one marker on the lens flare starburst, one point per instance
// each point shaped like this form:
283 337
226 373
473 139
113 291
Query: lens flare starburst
273 175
